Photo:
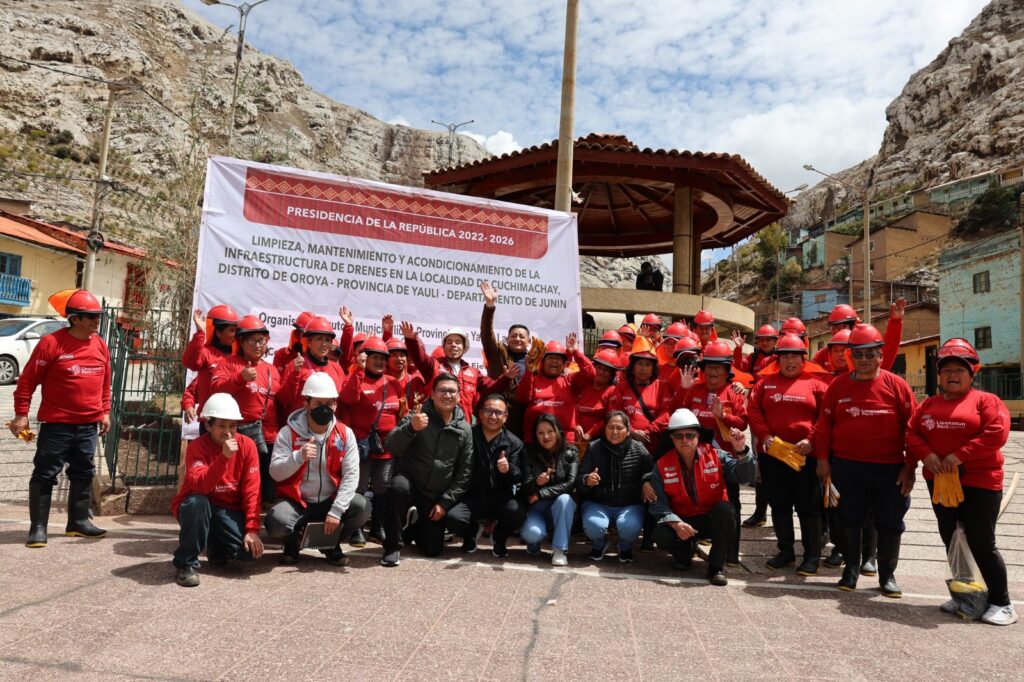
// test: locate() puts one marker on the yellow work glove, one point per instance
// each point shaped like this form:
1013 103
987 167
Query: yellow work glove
947 491
787 454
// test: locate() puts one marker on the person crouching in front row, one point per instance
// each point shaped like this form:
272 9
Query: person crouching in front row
218 506
692 500
315 464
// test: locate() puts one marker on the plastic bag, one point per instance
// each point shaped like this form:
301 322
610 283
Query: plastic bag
963 579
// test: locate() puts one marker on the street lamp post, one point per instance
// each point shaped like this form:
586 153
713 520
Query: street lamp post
866 200
243 17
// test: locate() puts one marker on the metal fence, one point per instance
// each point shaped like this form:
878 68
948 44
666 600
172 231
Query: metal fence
144 441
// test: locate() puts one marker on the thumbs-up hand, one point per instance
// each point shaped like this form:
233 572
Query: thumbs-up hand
249 374
310 451
593 478
298 363
544 478
419 419
502 462
230 448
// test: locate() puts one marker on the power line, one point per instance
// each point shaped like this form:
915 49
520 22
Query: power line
48 177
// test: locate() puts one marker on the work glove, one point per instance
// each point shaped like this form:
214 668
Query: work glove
946 490
787 454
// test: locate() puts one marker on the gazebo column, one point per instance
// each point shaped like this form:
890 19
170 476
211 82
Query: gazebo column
682 242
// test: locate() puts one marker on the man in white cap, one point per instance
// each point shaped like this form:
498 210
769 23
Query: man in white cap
315 464
218 506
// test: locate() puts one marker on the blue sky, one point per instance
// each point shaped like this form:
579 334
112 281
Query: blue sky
780 82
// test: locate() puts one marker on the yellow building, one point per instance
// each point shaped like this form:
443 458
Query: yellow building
33 265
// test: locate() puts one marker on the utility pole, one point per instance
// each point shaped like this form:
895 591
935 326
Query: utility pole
452 127
867 257
1020 335
563 176
95 238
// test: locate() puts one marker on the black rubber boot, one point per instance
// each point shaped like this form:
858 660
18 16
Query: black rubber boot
357 538
810 538
888 558
377 520
869 550
79 501
851 551
783 525
650 523
39 494
760 515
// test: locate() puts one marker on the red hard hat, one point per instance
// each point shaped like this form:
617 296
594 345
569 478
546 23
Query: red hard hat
374 344
840 338
703 317
865 336
766 331
302 320
794 325
397 344
959 349
359 338
651 320
686 345
610 338
719 352
626 330
608 358
82 302
842 313
222 315
555 348
250 324
318 325
676 330
790 343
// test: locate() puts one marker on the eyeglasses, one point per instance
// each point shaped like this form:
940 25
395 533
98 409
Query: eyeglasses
864 354
446 391
493 413
254 340
681 435
89 316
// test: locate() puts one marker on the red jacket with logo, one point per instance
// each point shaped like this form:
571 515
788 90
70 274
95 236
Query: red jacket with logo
335 444
541 394
864 421
697 399
290 395
360 401
251 396
708 482
658 399
229 483
785 408
591 408
473 384
203 358
974 428
75 376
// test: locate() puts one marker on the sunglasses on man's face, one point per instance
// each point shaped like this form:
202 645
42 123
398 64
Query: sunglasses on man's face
864 354
681 435
89 316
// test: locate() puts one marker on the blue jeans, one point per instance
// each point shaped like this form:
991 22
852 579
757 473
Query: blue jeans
205 525
554 513
59 444
598 518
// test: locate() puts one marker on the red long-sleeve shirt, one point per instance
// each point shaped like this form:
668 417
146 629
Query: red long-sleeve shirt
891 348
229 483
747 363
473 384
785 408
974 428
591 408
697 399
864 421
290 395
75 378
203 358
541 394
360 401
658 399
188 396
251 396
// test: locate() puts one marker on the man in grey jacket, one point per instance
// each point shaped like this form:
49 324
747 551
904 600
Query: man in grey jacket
315 465
434 447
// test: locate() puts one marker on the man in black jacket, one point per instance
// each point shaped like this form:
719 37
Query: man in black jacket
434 447
497 474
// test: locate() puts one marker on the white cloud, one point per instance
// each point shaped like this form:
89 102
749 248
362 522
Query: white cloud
400 121
501 142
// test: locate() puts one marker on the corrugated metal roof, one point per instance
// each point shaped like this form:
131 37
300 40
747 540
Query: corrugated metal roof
32 235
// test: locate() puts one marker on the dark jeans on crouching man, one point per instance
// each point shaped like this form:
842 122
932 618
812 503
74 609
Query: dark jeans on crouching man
204 525
287 518
719 525
428 535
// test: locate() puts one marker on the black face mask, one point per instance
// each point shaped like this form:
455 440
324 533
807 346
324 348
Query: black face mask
321 414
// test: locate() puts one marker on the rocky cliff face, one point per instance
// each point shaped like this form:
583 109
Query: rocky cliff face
962 114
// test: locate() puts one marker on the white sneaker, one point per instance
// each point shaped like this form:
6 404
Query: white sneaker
558 558
948 606
1000 615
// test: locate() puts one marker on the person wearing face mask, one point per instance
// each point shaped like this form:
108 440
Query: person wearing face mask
859 440
550 466
691 501
550 390
315 466
215 334
963 430
315 357
372 401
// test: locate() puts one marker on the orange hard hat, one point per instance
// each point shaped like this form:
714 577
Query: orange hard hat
642 349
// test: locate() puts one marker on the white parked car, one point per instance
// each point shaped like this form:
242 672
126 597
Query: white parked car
18 338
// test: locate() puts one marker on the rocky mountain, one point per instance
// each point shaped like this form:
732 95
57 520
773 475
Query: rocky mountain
962 114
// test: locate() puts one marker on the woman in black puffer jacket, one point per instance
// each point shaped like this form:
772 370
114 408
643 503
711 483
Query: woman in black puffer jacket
614 484
549 475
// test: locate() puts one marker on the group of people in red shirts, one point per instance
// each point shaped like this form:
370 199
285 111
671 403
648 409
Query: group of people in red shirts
382 441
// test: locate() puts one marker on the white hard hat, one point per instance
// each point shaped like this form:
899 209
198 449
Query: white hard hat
320 385
683 419
457 331
221 406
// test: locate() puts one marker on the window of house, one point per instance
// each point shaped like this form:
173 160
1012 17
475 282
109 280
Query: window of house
982 284
983 337
820 298
872 246
10 264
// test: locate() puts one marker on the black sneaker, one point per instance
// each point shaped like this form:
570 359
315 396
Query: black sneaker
754 521
647 544
625 556
358 539
834 559
290 554
499 550
869 567
716 576
391 559
187 577
596 554
336 557
469 544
